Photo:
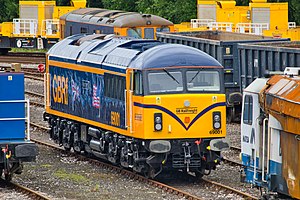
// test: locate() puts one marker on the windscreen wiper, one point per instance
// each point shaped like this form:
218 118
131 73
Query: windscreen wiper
171 76
194 76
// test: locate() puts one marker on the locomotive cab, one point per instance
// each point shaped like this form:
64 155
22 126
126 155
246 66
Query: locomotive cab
171 102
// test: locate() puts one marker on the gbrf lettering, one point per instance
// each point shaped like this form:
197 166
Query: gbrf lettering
60 89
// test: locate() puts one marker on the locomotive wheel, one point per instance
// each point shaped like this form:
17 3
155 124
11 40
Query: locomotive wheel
8 177
67 148
149 173
198 175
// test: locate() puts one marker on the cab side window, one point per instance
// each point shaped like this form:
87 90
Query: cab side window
248 110
149 33
138 83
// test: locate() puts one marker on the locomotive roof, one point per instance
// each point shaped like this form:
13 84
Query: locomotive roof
118 53
115 18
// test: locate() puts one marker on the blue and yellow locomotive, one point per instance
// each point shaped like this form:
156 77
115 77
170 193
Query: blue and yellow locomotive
139 103
15 143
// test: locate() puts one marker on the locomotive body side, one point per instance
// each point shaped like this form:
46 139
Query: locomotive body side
126 101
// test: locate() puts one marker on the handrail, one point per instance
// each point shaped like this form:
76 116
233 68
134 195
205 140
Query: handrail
25 26
252 28
264 146
50 27
196 23
227 26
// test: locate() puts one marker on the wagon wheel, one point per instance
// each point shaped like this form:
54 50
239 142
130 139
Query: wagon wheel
8 177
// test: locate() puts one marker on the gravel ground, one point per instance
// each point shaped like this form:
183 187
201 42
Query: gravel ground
225 174
63 177
11 194
234 134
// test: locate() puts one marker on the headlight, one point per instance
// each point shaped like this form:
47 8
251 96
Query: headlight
158 127
217 125
217 120
158 121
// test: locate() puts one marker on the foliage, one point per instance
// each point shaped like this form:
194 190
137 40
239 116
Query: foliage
174 10
63 2
242 2
94 4
9 10
127 5
62 174
294 14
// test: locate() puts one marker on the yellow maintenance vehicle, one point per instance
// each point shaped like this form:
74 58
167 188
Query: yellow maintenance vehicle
38 25
259 18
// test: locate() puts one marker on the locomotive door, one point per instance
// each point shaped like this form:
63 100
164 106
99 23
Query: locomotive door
129 101
134 94
47 79
250 140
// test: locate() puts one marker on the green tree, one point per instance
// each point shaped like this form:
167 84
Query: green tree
242 2
94 4
174 10
63 2
294 11
9 10
126 5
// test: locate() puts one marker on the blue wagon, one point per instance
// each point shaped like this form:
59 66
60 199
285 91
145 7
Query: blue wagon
15 143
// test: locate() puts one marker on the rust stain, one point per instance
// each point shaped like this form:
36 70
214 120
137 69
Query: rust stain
281 98
290 148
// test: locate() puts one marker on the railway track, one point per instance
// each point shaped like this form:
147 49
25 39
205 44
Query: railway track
24 190
230 161
34 94
37 95
33 73
133 175
23 57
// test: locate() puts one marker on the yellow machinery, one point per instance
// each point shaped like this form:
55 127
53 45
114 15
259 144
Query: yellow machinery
38 25
259 18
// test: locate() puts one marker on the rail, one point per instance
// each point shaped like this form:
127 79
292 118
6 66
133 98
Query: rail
221 26
197 23
24 190
252 28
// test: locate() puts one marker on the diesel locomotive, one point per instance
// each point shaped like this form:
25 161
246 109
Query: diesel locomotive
141 104
270 131
103 21
15 144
